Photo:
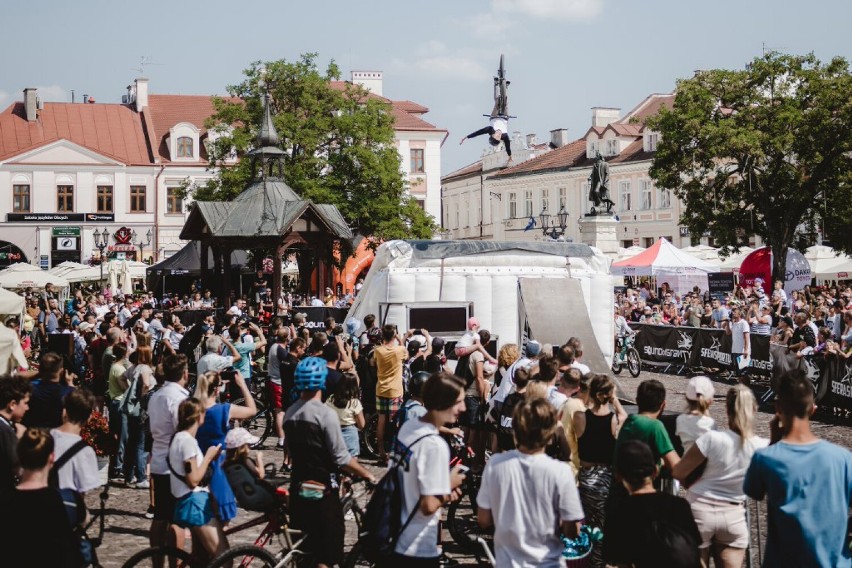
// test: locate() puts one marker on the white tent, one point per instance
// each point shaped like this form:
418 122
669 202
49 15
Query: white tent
733 262
11 303
704 252
630 251
67 267
11 352
23 275
669 264
828 264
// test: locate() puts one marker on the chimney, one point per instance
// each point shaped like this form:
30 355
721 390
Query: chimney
531 141
604 116
370 80
558 137
31 104
85 99
141 93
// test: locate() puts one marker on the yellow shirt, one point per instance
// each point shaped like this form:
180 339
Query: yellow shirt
572 406
389 359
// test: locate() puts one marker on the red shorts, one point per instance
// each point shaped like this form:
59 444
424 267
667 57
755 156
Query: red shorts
274 395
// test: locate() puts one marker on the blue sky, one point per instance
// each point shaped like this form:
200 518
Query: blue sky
563 56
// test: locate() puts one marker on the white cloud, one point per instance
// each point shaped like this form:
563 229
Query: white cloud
53 93
452 67
563 10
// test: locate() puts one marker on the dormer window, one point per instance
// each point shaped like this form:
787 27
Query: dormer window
612 147
184 147
183 142
651 140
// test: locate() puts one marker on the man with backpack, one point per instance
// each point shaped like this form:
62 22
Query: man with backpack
76 465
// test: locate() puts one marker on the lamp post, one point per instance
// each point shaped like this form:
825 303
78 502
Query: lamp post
101 240
553 225
134 238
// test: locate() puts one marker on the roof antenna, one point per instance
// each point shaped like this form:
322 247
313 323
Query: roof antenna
144 61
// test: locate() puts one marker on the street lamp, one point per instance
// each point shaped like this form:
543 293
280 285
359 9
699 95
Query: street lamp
553 225
101 241
138 242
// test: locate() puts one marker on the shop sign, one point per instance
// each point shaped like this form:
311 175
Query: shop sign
60 217
66 231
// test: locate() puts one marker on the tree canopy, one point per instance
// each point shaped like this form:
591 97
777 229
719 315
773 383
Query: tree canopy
766 150
338 144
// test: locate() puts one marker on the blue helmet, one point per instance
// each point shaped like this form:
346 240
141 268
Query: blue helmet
310 374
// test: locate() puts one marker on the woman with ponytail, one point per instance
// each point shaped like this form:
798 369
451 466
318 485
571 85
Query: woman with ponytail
717 497
217 417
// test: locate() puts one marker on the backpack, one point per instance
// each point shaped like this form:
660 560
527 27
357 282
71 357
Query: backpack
401 416
382 524
132 403
670 545
75 506
251 492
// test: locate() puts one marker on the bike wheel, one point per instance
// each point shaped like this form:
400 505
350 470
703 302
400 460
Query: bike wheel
617 365
259 425
634 365
159 557
371 436
245 556
462 523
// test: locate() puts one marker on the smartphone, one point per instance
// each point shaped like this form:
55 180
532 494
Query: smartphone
463 469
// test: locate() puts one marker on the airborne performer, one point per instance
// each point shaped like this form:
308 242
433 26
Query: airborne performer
498 128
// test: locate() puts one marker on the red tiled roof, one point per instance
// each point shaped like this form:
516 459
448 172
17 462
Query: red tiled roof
411 106
625 129
648 108
560 158
168 110
474 168
112 130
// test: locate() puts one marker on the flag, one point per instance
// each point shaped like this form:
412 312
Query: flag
531 224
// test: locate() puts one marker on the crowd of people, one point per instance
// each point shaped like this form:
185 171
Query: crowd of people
554 448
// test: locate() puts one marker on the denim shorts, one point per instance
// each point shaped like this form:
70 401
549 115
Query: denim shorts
193 510
350 438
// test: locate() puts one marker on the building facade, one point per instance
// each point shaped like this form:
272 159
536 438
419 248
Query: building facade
501 204
69 170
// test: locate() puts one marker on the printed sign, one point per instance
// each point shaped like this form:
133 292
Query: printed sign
59 217
66 231
720 283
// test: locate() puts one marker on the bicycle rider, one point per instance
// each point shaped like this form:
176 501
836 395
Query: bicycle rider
318 452
622 330
498 124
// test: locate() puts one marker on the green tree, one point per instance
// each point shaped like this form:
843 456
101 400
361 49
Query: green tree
766 150
338 146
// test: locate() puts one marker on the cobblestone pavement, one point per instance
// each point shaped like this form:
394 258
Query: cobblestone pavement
127 528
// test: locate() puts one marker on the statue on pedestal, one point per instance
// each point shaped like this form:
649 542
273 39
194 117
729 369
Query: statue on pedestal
599 186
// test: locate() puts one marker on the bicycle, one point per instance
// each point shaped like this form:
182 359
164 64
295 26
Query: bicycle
261 423
627 355
462 522
249 555
371 438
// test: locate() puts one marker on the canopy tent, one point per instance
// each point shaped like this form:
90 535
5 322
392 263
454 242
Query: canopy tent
704 252
23 275
188 261
828 264
11 303
732 262
629 252
665 261
137 271
66 267
11 353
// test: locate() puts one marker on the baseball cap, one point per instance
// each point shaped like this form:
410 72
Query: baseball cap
413 347
532 349
635 460
84 326
239 436
700 385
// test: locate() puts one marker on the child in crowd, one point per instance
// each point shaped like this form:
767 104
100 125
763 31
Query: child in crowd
696 420
505 434
346 402
469 342
237 447
645 426
648 528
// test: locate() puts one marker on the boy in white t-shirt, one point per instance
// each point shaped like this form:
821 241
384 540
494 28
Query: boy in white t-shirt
80 471
427 480
525 494
469 342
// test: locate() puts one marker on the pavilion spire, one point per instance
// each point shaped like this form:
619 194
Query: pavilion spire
267 152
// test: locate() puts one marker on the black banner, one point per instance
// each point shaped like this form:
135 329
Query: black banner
59 217
315 317
720 283
697 347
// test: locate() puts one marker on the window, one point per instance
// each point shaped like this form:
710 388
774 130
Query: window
528 206
563 196
21 198
184 147
624 191
104 199
545 199
174 201
653 138
417 166
647 187
612 147
137 198
649 241
65 198
513 205
664 198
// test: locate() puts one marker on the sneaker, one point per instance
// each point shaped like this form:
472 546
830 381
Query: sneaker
144 484
149 514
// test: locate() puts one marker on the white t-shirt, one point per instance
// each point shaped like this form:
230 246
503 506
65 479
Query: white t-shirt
690 427
465 340
500 123
80 473
582 367
528 496
738 328
507 385
163 418
427 473
214 362
556 398
727 462
184 448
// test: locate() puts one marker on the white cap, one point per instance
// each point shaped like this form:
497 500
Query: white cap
700 385
239 436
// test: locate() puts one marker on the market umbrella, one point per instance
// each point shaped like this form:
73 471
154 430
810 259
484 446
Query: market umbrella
23 275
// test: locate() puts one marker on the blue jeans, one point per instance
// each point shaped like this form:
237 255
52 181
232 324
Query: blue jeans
135 457
350 438
118 428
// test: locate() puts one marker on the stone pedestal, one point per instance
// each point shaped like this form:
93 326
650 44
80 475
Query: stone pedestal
600 231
